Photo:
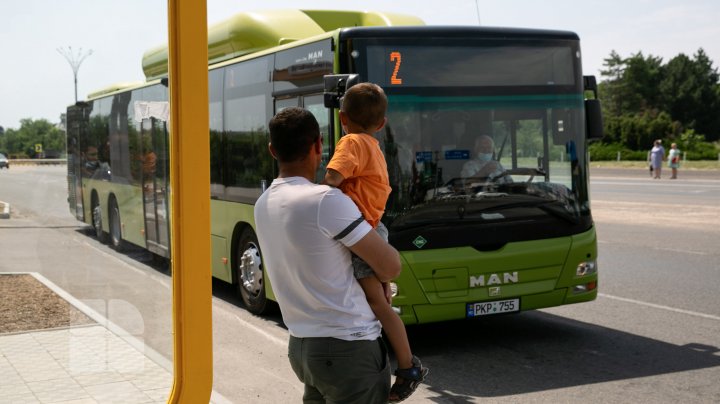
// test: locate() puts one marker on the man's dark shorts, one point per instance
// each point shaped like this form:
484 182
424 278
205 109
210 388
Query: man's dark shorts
338 371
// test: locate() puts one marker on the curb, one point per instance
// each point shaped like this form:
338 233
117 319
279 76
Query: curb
5 212
101 320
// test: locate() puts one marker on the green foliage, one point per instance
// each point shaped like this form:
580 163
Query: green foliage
632 84
609 152
696 147
644 100
689 93
636 131
21 142
692 145
528 143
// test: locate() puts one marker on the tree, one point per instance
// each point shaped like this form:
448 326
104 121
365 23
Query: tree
632 83
21 142
610 90
644 99
690 93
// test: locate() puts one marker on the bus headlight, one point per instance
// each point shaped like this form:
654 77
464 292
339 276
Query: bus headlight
393 289
586 268
394 292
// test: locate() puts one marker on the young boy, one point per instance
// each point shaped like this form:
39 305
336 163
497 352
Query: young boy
359 169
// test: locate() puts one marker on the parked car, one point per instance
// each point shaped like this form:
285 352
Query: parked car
4 162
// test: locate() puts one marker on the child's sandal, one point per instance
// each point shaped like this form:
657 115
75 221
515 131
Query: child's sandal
411 379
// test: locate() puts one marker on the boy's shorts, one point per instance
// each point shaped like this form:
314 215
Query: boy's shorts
360 268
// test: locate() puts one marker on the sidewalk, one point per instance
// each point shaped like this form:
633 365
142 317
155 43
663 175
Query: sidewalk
113 359
92 363
97 363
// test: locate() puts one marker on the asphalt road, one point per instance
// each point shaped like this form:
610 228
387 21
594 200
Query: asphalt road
653 334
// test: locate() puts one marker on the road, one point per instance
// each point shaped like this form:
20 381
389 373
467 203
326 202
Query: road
653 334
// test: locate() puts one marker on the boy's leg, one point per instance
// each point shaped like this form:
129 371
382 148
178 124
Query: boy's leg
382 231
393 326
391 322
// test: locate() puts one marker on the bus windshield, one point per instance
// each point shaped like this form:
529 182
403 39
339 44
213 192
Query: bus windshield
483 134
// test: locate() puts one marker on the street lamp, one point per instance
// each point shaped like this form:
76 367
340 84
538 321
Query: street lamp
75 59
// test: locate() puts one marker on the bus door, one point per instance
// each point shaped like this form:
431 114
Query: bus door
155 185
315 104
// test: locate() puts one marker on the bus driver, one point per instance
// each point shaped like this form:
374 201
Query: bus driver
483 165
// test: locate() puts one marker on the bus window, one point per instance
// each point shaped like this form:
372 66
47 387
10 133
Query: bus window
286 103
248 164
314 104
217 160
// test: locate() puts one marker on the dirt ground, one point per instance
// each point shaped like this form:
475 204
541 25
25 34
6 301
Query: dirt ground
26 304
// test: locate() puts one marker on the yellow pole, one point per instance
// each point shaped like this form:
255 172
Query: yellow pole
190 202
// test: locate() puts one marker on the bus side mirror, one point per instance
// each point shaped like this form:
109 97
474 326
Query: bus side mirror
593 118
335 86
593 112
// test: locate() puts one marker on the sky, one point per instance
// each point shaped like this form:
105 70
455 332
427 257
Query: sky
36 81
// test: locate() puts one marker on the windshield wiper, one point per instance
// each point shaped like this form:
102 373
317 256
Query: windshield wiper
480 207
557 209
553 207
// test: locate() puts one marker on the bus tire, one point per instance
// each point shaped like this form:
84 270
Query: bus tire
250 273
96 211
116 241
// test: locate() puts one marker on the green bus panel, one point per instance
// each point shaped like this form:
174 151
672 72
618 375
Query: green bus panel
227 219
434 287
129 201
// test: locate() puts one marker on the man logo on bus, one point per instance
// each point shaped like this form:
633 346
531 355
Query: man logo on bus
315 55
493 279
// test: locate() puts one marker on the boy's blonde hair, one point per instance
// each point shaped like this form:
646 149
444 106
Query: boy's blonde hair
365 105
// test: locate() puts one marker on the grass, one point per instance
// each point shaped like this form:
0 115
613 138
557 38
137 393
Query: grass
687 165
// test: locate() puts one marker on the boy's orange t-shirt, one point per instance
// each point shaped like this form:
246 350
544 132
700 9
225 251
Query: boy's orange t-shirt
359 159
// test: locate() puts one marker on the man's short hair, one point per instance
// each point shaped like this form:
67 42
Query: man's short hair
365 105
292 133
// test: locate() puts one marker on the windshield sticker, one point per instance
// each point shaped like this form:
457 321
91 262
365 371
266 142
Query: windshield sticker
457 154
419 242
423 156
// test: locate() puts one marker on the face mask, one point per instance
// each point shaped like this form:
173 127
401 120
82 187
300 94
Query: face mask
484 157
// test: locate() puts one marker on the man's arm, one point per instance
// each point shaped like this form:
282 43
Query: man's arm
381 256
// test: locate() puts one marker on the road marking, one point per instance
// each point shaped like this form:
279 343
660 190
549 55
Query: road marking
661 307
658 248
162 282
681 251
710 182
688 188
278 341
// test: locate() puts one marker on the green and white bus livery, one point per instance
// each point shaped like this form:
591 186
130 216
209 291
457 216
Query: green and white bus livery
470 246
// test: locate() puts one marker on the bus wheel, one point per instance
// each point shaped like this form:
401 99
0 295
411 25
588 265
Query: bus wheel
97 220
115 227
249 273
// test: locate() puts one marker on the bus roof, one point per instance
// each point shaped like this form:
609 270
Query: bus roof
250 32
457 32
114 88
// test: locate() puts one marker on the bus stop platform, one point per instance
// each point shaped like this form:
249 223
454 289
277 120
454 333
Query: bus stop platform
88 364
94 362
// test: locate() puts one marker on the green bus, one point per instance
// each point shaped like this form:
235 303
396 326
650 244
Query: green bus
470 246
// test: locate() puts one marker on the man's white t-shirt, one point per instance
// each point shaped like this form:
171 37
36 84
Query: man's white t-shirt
304 229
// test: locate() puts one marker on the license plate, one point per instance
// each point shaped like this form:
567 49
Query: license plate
490 308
